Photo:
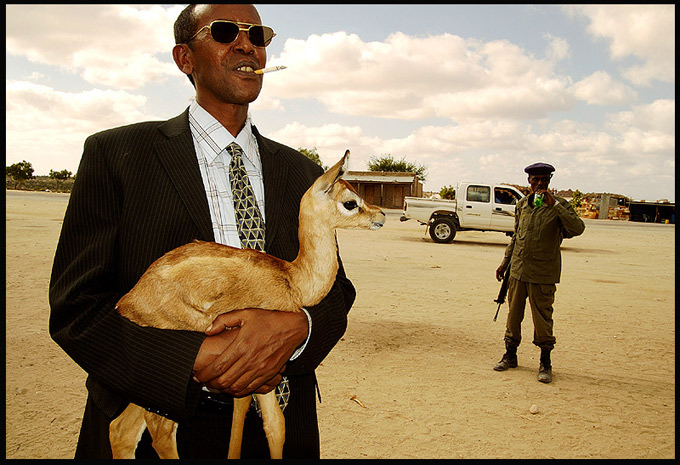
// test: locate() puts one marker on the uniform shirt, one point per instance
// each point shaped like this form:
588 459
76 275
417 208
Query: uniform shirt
534 250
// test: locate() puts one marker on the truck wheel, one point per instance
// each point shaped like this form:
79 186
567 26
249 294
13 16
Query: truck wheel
442 230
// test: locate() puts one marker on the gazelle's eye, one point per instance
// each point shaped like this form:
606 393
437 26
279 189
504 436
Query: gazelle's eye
350 205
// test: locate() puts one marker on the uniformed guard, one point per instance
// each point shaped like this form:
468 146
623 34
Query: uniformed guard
542 220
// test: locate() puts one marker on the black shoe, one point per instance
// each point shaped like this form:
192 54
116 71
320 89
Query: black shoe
545 373
508 361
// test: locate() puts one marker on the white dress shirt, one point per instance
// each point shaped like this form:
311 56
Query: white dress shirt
211 140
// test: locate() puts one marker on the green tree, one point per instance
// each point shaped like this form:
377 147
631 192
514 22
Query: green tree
20 172
313 155
576 199
60 176
387 163
448 192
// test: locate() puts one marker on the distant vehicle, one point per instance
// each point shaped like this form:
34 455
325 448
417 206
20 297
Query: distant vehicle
477 206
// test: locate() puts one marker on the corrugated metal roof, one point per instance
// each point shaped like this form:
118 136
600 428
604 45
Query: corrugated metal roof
379 176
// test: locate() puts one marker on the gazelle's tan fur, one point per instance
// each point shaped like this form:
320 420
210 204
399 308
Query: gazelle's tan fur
196 282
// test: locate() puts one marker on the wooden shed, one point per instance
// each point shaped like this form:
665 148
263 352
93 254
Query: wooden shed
385 189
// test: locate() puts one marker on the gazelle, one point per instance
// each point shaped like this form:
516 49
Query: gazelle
196 282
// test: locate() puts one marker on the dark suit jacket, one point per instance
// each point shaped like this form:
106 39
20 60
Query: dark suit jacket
137 195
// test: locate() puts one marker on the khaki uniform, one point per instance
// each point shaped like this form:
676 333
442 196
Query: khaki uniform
536 264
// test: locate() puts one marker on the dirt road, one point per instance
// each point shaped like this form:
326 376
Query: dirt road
412 377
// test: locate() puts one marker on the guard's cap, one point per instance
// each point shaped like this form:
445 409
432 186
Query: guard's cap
539 168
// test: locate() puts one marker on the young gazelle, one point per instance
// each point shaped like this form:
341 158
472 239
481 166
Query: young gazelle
196 282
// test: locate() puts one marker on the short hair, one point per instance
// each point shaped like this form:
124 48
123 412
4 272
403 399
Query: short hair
185 27
186 24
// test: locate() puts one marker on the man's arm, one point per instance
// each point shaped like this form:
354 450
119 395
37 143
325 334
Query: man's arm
329 323
266 339
500 271
148 366
572 225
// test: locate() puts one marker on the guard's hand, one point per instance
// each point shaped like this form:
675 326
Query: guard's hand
500 272
257 352
549 199
547 196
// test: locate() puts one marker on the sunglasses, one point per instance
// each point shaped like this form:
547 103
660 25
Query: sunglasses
226 32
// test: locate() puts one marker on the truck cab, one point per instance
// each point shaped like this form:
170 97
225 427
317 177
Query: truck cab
484 206
477 206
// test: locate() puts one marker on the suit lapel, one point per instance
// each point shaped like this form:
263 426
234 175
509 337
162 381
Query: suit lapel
274 177
177 154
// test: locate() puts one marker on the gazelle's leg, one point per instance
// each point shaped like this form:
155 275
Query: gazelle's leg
241 406
164 435
125 431
273 422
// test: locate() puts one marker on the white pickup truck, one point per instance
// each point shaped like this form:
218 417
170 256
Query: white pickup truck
477 206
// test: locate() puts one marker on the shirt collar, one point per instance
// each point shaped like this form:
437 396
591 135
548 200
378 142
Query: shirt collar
213 137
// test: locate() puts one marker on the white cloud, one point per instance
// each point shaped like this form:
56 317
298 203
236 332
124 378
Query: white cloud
558 48
658 115
601 89
414 77
643 31
648 130
115 45
330 140
587 157
490 106
35 76
498 97
265 102
48 127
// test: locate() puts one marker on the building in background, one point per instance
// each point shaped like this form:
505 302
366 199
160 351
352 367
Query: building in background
619 207
385 189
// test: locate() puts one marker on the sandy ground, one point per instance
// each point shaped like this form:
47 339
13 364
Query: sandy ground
412 377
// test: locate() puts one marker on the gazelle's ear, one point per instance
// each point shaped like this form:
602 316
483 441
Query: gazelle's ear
329 178
340 168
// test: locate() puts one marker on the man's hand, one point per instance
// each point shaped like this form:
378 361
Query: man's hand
251 355
500 272
213 346
547 196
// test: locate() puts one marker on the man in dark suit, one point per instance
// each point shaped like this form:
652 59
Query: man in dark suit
145 189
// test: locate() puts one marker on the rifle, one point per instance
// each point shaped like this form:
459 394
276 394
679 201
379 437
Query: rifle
503 292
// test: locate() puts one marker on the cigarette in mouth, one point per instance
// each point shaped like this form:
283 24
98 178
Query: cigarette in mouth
269 70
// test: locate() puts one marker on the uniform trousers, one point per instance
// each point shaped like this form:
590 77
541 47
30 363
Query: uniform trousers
541 298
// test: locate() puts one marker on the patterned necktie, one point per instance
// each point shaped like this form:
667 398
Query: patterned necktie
251 231
248 216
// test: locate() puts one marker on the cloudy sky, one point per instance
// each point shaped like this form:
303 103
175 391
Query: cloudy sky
472 92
